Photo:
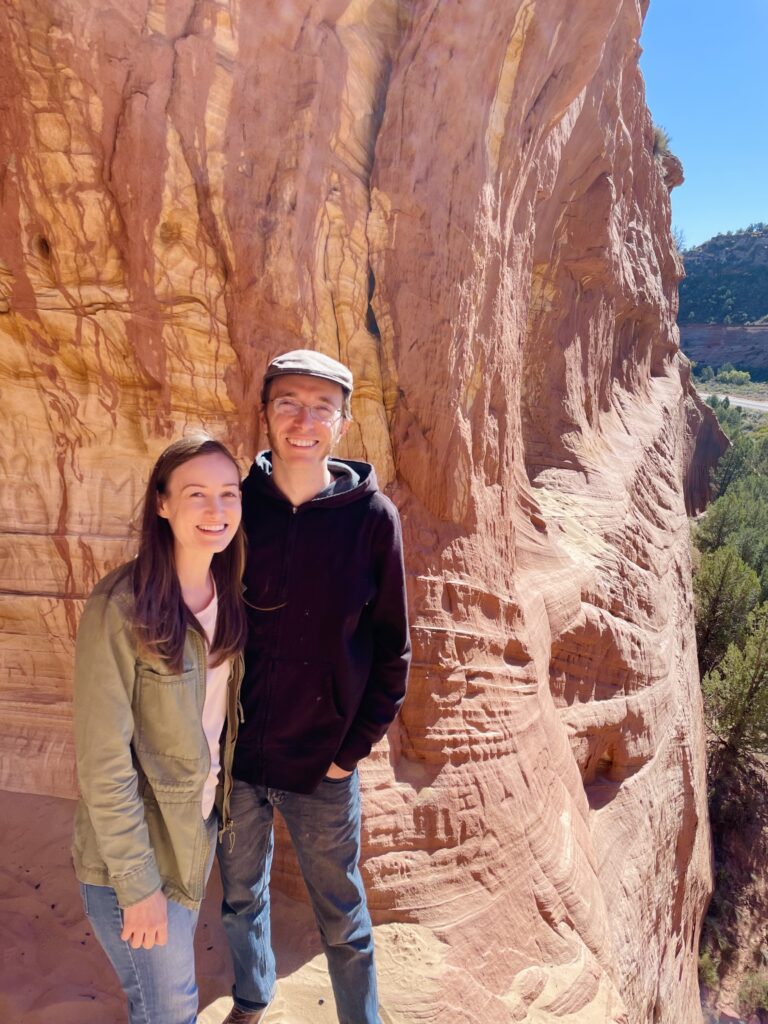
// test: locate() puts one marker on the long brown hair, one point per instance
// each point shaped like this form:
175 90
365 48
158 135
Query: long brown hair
161 618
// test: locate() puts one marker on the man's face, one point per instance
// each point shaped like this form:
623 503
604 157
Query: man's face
298 439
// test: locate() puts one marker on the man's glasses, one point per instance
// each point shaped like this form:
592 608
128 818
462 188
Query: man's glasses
291 407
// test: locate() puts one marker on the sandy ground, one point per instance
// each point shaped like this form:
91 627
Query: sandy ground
53 970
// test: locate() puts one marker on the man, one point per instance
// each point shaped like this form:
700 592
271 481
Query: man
325 673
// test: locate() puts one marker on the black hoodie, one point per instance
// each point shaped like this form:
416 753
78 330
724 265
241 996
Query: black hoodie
328 651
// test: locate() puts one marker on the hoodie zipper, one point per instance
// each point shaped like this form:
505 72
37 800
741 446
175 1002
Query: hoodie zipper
272 682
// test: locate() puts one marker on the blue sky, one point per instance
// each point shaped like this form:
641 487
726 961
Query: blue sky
705 66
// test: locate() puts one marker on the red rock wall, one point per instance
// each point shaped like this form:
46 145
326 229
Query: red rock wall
460 200
745 346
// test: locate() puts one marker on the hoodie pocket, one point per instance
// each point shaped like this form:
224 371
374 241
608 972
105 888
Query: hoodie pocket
303 705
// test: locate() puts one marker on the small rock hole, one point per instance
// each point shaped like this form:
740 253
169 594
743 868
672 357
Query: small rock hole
42 247
370 316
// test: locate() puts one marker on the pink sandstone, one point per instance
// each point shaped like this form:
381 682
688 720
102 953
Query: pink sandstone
460 200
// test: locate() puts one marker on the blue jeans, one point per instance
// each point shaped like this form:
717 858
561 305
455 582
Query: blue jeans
325 831
159 983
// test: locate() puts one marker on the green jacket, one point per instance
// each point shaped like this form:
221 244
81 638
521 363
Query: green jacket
142 756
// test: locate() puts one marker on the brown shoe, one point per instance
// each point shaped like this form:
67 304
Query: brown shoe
238 1016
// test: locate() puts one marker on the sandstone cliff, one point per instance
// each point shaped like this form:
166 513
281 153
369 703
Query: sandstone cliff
744 346
459 199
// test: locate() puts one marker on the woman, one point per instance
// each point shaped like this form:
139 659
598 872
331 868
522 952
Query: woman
157 676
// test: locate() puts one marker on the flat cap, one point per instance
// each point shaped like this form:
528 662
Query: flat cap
311 364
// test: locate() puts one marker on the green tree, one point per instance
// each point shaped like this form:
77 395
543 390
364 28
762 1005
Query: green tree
740 519
732 635
733 377
725 591
722 522
730 418
736 692
736 464
760 453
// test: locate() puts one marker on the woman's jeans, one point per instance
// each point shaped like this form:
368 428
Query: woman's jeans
159 982
325 830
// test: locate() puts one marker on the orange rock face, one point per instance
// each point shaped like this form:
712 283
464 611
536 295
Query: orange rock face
461 201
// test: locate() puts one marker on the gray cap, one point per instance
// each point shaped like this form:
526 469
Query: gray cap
311 364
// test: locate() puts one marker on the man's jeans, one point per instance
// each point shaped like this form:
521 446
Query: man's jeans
159 982
325 831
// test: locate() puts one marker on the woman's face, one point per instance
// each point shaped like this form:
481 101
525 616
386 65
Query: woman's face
202 504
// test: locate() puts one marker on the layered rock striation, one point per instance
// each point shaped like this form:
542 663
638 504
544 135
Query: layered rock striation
460 200
744 346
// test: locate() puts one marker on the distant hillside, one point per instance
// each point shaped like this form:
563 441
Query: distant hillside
744 347
726 279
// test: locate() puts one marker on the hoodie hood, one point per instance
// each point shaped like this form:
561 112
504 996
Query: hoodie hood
353 480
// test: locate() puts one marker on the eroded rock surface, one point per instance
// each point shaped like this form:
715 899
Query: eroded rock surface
744 346
460 200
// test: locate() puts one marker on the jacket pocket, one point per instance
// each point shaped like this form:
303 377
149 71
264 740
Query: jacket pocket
181 843
167 716
303 705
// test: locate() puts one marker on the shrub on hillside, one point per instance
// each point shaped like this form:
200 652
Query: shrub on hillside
735 377
661 141
708 970
736 693
739 519
753 992
732 633
725 590
730 418
737 464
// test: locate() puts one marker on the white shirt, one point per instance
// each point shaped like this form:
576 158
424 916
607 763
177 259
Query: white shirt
214 706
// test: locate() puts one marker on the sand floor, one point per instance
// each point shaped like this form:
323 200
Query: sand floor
53 971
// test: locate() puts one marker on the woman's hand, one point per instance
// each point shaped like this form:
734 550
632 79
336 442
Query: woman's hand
334 772
146 922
